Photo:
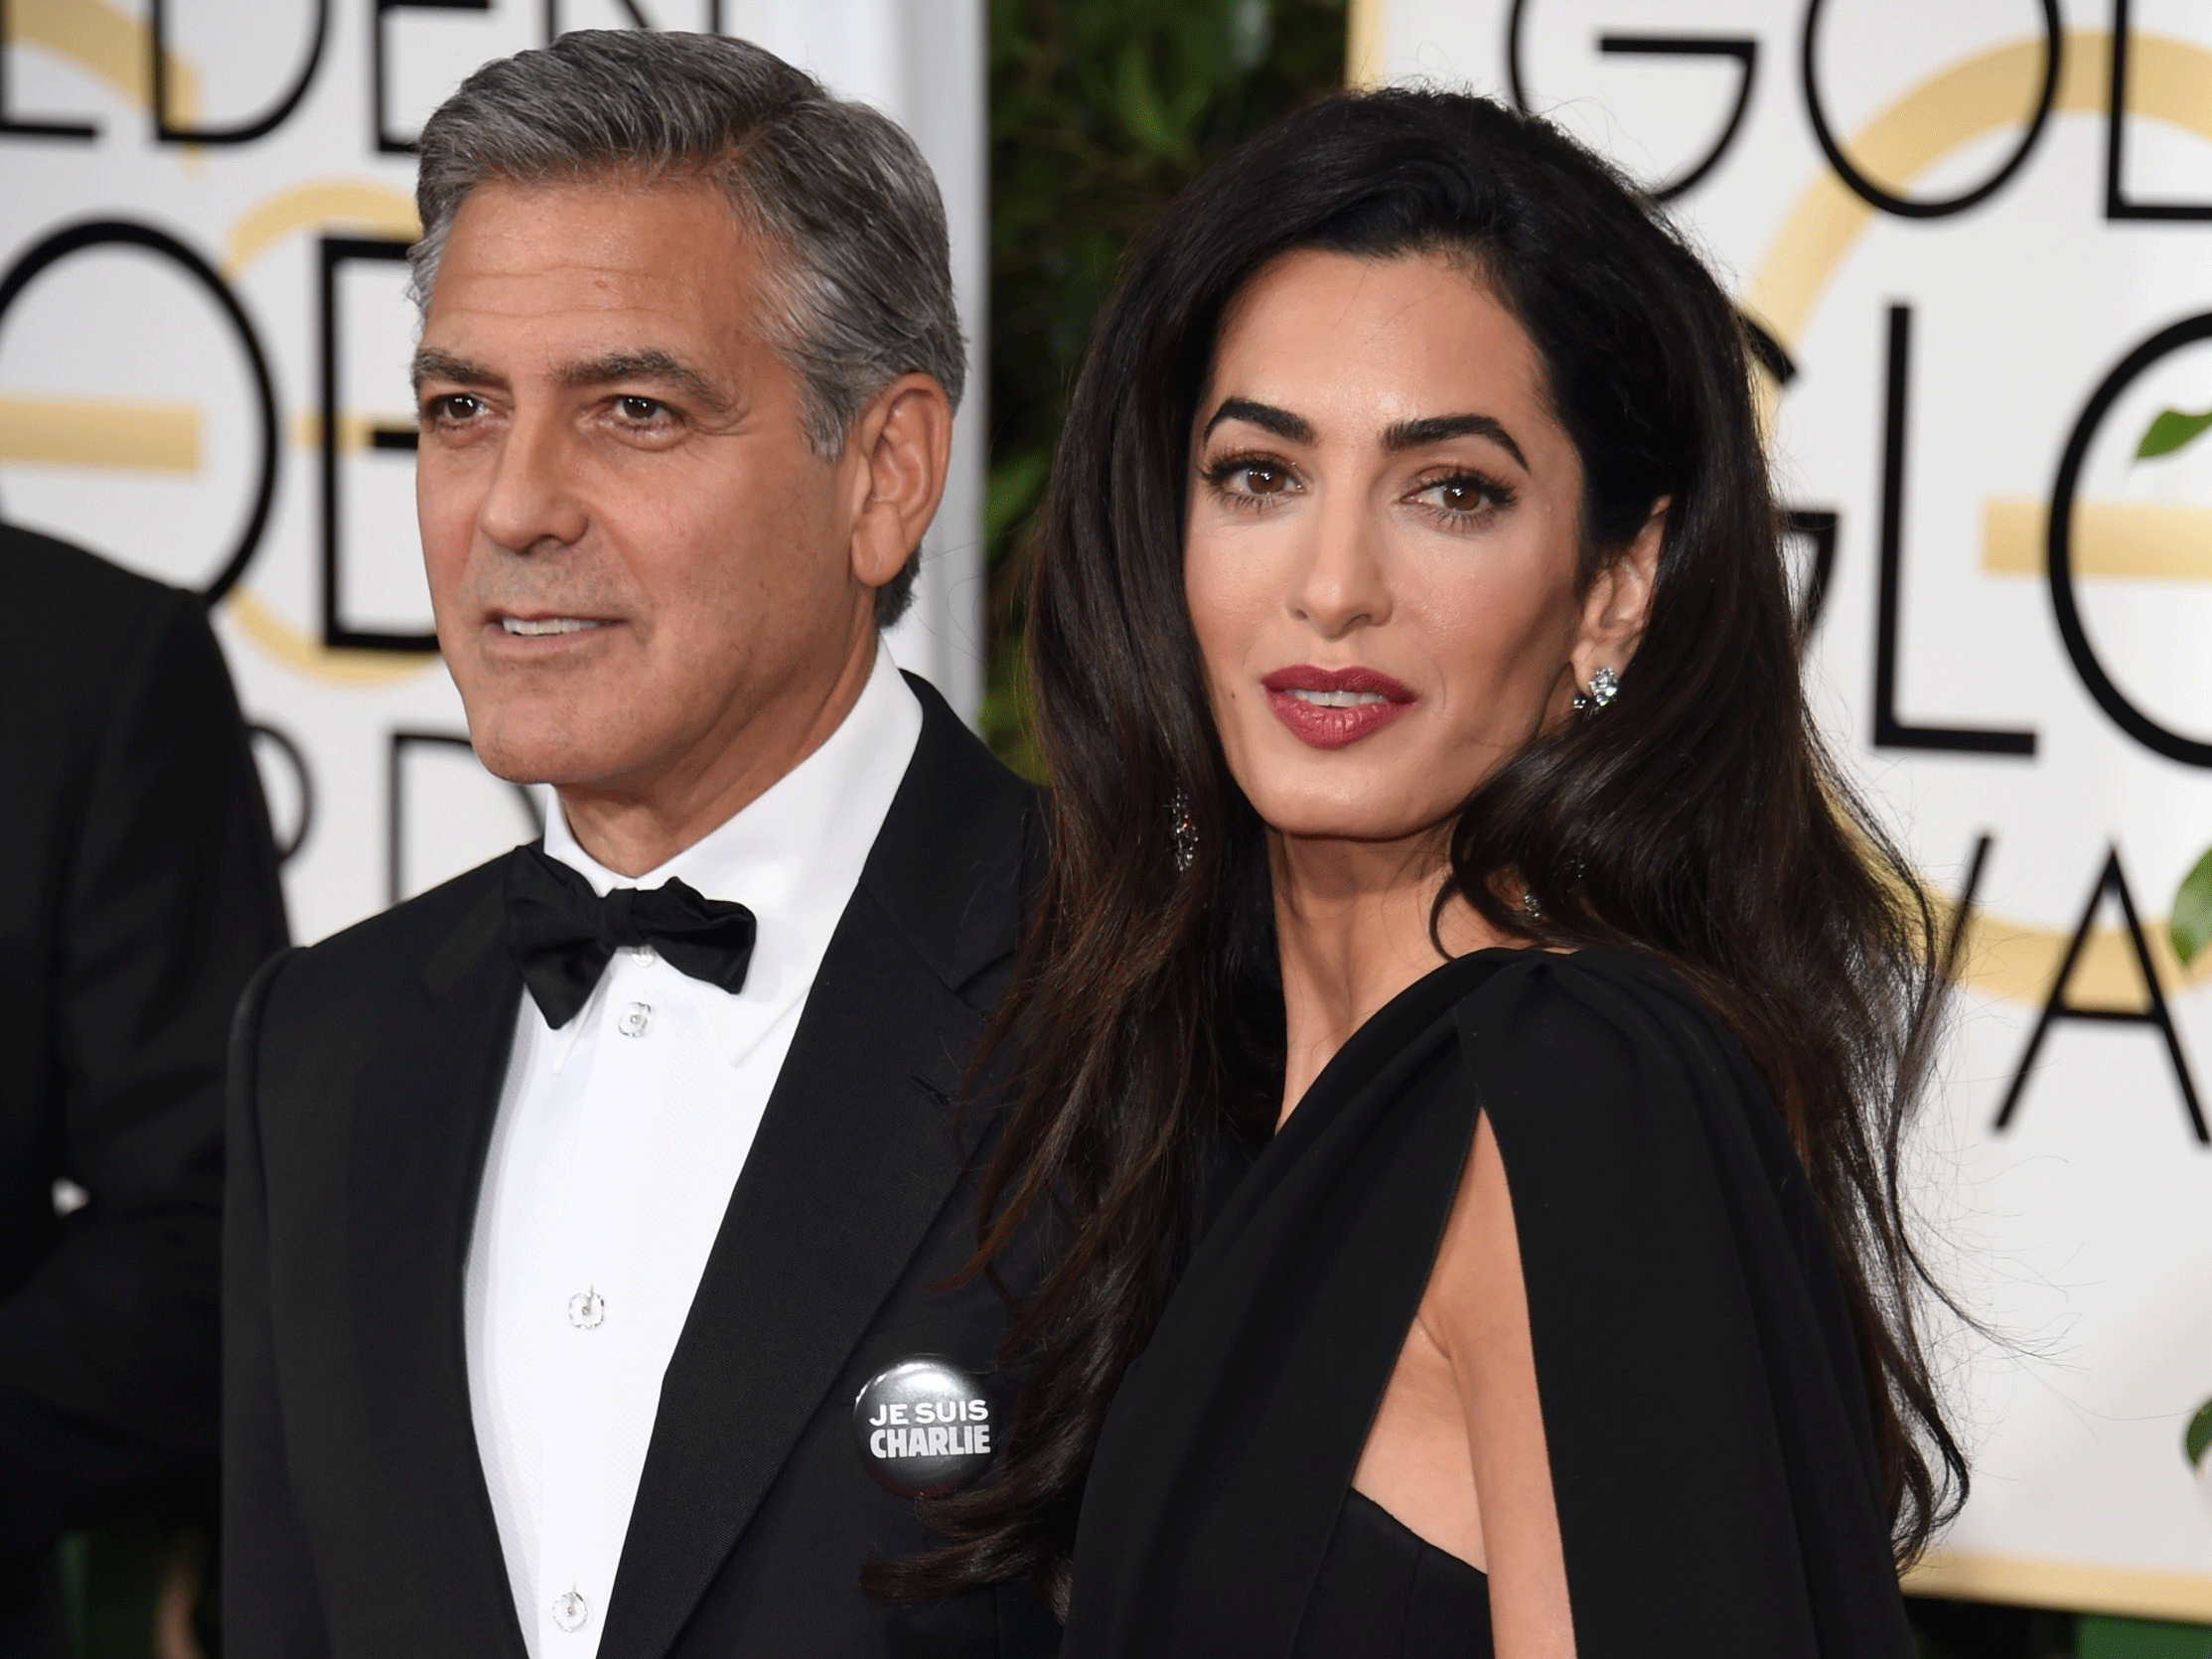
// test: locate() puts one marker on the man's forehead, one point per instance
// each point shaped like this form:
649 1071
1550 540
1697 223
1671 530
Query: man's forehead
612 222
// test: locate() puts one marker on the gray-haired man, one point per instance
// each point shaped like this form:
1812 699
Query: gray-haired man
573 1204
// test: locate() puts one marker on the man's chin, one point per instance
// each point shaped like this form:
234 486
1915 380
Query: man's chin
523 751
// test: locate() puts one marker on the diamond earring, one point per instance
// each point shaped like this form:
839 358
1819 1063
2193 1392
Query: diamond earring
1183 831
1605 685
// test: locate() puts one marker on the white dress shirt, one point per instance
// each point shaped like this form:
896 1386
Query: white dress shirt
617 1143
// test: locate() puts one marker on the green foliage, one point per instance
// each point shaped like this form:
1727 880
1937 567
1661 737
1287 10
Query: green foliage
2173 430
2135 1638
2199 1434
2191 925
1101 111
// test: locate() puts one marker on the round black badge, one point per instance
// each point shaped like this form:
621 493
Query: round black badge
925 1426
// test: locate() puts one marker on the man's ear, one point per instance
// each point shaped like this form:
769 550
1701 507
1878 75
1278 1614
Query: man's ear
1619 602
898 449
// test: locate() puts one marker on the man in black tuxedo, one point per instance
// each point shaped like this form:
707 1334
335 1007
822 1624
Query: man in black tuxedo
574 1203
139 893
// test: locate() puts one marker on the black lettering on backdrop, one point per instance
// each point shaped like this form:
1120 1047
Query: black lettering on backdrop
82 132
123 233
2109 881
1766 351
1742 49
2117 202
381 134
2060 552
1816 524
334 251
287 845
245 132
395 798
1962 916
631 9
1889 731
1904 207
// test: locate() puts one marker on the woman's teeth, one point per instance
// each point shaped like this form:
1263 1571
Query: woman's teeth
547 625
1338 699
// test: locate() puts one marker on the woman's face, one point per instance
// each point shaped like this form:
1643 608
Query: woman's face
1380 553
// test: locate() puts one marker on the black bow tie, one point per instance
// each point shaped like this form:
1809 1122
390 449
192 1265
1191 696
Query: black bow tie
562 935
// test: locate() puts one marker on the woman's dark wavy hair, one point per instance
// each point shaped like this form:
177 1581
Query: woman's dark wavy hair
1699 817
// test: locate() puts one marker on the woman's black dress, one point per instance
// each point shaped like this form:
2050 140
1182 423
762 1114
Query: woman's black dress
1712 1455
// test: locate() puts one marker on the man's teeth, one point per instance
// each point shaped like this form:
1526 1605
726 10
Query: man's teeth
547 625
1338 699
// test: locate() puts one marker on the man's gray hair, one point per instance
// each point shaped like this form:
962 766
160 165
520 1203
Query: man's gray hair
863 290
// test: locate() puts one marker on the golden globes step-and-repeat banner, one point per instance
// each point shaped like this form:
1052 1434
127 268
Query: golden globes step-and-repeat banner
204 337
1976 239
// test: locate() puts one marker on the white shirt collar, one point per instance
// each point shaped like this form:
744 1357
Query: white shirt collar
793 857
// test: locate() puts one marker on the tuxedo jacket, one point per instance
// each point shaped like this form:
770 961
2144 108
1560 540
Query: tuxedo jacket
365 1074
138 894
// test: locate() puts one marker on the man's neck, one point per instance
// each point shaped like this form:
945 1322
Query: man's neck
635 825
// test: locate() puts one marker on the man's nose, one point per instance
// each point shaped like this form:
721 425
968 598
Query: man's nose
533 503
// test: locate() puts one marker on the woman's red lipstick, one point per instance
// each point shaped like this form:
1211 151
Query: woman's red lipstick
1341 705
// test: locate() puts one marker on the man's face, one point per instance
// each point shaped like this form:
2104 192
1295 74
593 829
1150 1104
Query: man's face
635 560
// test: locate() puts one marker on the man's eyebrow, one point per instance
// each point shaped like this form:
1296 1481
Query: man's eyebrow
1266 417
663 366
1416 434
430 364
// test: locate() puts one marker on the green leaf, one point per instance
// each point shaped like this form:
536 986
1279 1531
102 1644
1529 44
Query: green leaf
1137 98
2199 1434
2191 927
1010 493
2173 430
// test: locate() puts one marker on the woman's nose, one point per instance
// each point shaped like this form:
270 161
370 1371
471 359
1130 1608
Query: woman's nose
1342 583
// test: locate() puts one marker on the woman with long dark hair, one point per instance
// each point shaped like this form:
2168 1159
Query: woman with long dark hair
1436 810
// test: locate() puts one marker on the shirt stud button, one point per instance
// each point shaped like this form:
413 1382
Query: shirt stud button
636 1020
570 1610
586 1308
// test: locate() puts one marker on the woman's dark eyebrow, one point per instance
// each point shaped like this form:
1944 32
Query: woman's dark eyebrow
1266 417
1413 434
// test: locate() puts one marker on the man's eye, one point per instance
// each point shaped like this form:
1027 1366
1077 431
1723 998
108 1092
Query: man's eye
639 411
455 406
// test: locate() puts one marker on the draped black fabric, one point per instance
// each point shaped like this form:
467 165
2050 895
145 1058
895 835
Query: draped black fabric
561 934
1385 1593
1711 1450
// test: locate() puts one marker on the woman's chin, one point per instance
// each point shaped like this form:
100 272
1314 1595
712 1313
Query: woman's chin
1364 820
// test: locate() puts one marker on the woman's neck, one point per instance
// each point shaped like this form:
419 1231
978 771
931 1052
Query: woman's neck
1352 926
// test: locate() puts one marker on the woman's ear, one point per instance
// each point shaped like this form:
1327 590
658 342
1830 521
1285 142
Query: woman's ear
1619 601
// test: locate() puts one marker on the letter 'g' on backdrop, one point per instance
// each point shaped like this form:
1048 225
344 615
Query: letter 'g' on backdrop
1976 241
205 207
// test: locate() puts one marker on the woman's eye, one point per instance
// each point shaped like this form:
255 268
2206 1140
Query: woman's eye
1463 494
1248 480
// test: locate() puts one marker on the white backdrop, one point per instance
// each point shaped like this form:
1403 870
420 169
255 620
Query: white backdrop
1940 365
183 262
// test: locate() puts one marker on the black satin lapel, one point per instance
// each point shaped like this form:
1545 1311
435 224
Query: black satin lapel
421 1126
854 1159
